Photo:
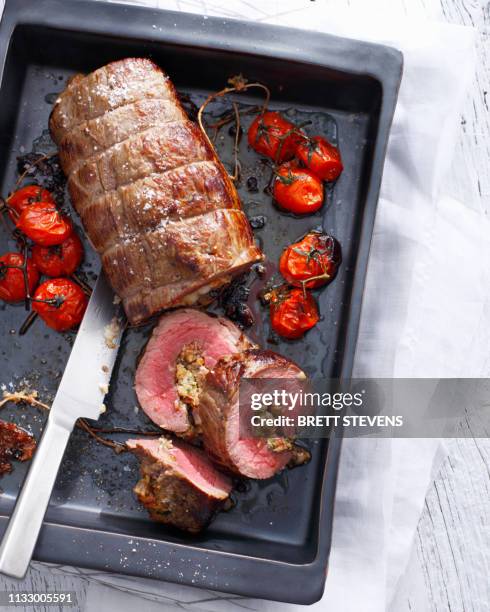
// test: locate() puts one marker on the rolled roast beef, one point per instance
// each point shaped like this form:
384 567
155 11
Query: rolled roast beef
178 485
184 345
153 197
252 457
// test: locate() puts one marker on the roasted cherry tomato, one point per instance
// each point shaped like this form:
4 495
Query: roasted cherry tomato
320 157
272 135
311 262
297 190
59 260
293 312
43 223
25 196
63 303
12 282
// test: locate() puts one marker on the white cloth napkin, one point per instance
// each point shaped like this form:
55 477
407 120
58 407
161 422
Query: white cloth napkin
424 314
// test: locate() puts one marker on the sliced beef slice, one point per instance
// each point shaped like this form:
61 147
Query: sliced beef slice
178 485
219 412
156 381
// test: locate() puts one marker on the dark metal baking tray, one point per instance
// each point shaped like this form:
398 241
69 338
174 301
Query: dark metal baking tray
275 543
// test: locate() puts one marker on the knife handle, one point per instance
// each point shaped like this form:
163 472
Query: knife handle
25 523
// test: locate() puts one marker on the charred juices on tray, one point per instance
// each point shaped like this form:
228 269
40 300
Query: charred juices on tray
15 444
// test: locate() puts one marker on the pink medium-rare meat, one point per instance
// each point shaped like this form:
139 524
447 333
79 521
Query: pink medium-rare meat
149 188
183 347
252 457
178 485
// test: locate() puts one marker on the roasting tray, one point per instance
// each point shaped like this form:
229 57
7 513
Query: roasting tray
275 543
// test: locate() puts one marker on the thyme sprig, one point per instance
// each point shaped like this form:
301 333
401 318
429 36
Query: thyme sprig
237 84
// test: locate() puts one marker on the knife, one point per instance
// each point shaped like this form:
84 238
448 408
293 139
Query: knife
80 394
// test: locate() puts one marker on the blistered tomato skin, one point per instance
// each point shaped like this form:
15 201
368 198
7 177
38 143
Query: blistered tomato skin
59 260
12 282
272 135
317 256
297 190
24 197
60 303
321 157
43 223
293 312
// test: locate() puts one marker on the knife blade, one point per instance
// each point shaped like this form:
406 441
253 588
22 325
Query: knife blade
89 367
80 394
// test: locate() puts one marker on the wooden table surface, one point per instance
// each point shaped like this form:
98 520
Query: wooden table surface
449 569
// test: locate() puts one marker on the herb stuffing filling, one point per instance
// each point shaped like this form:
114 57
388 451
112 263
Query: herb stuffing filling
189 373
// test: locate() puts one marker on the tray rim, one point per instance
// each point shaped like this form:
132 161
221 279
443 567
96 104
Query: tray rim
385 64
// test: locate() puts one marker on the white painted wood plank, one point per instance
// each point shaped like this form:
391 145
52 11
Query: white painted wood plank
412 592
453 538
471 177
452 546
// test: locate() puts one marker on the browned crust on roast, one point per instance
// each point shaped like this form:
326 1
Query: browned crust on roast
96 135
218 393
144 205
109 87
140 306
161 148
178 251
155 201
226 375
172 499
